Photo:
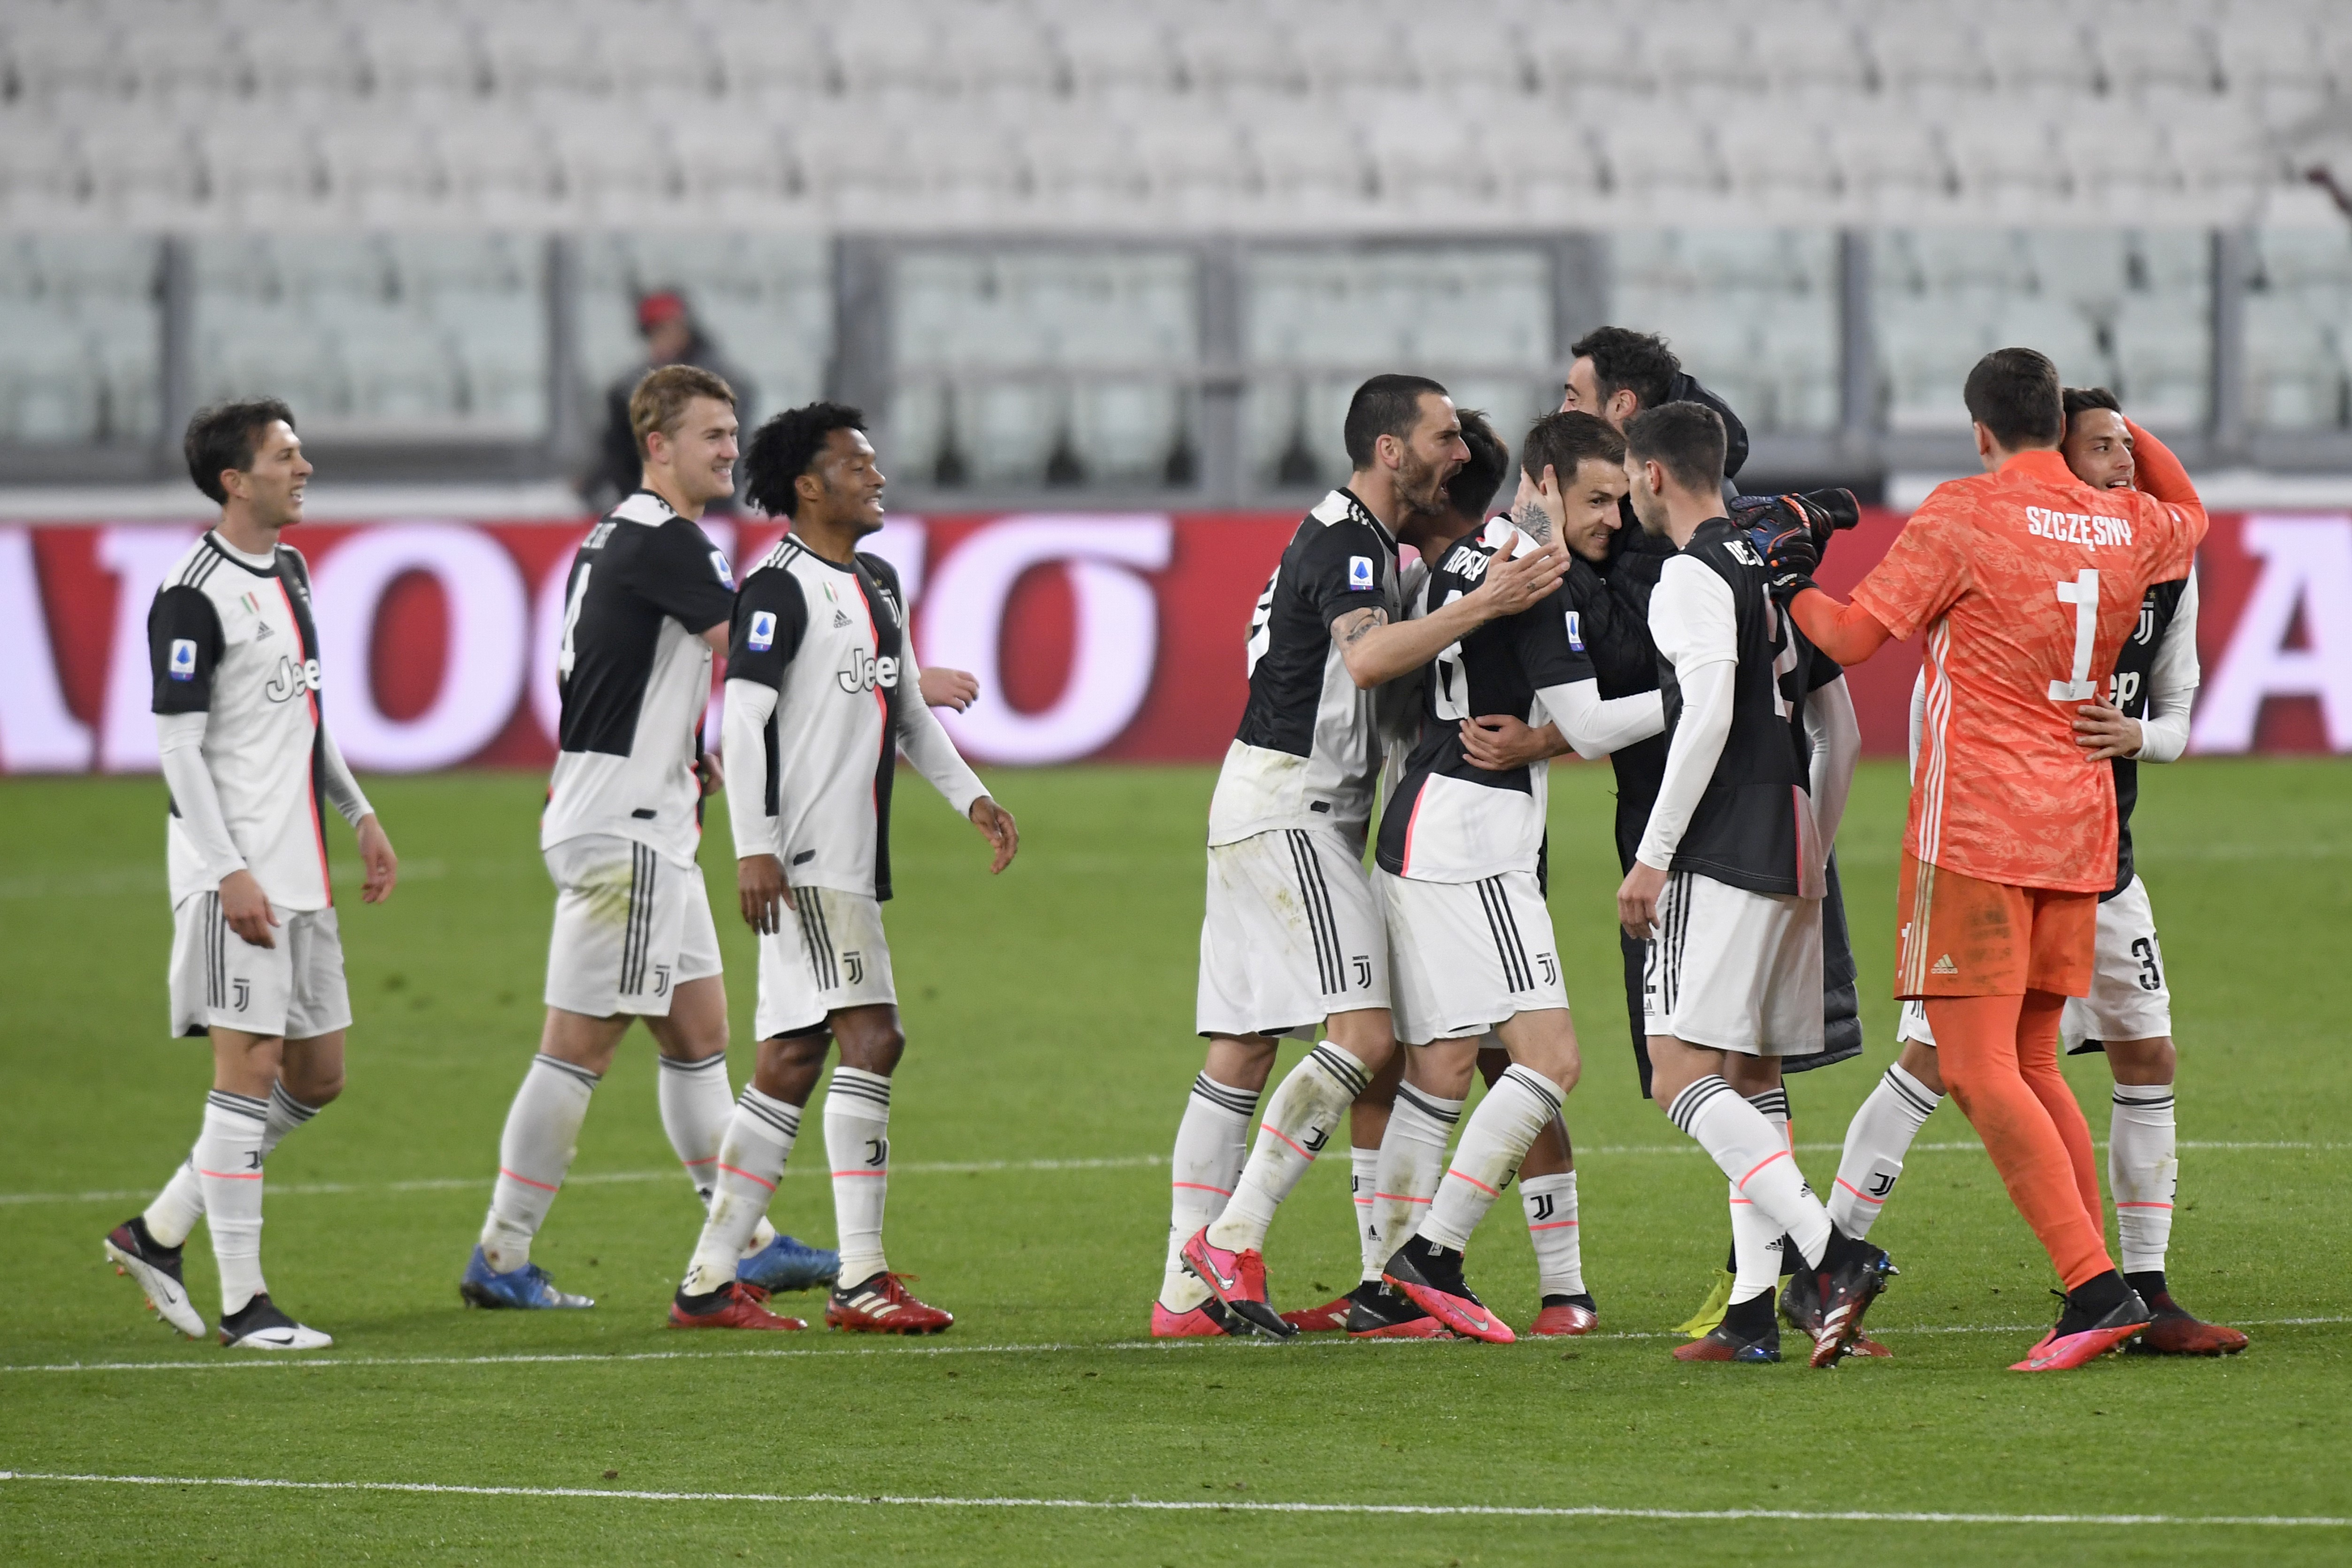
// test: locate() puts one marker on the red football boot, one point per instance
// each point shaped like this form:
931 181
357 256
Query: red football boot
1563 1316
1237 1280
1203 1322
1431 1277
2176 1331
1377 1311
739 1306
1330 1318
2068 1345
881 1305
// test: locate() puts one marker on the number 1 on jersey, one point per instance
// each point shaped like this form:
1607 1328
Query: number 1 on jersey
2083 593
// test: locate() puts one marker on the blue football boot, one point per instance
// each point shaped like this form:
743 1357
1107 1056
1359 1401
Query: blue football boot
527 1287
785 1264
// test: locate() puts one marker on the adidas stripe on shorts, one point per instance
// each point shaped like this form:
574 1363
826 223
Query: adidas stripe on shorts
631 926
1734 970
294 988
830 954
1292 934
2129 999
1468 954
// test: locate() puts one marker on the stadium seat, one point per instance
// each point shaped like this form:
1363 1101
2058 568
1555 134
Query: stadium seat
2294 379
2163 357
49 388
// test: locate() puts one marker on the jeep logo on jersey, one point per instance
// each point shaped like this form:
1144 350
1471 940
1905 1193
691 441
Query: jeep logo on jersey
292 679
862 672
762 635
182 665
1359 571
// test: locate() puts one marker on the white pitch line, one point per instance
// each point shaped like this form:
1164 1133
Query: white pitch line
1205 1505
1049 1347
980 1168
598 1178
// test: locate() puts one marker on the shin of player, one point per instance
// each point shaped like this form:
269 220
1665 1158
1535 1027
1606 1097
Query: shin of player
822 694
1291 937
2026 581
256 954
1728 882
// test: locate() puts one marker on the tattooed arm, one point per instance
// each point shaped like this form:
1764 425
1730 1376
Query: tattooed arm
1377 652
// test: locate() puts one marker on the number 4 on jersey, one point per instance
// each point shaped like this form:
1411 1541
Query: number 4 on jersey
2083 593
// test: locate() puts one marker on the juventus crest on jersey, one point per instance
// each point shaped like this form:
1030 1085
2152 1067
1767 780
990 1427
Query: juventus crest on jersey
231 636
831 640
634 676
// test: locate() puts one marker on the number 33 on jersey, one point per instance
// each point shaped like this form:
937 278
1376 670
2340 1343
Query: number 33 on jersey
2026 583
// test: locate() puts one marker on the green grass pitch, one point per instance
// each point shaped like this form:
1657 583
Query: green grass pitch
1049 1017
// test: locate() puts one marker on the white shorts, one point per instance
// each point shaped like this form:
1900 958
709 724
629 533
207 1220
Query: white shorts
294 989
2128 999
630 928
830 954
1468 954
1292 935
1735 970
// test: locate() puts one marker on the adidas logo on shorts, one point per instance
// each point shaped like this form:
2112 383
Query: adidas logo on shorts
1944 966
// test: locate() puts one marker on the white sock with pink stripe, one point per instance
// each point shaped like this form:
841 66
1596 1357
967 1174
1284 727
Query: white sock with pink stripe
857 1145
2143 1172
745 1170
228 1163
1412 1161
694 1111
1755 1238
1876 1142
1363 1180
1519 1106
1552 1226
1748 1148
1300 1118
542 1135
1212 1141
176 1208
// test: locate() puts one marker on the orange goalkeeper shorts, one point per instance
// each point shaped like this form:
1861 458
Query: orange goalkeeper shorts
1963 937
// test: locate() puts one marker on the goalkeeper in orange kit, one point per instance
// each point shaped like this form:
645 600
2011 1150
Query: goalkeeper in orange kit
2026 583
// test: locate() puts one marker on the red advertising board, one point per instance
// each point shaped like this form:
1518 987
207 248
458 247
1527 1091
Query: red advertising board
1094 635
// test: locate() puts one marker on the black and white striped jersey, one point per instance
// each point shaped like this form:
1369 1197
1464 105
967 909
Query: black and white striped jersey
230 636
823 693
1447 819
1308 753
635 677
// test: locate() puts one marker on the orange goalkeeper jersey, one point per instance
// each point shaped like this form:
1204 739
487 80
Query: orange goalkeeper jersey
2026 581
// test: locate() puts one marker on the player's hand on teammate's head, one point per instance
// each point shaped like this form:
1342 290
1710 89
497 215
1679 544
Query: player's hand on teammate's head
2104 733
382 867
244 909
1500 742
713 777
996 824
760 881
955 689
